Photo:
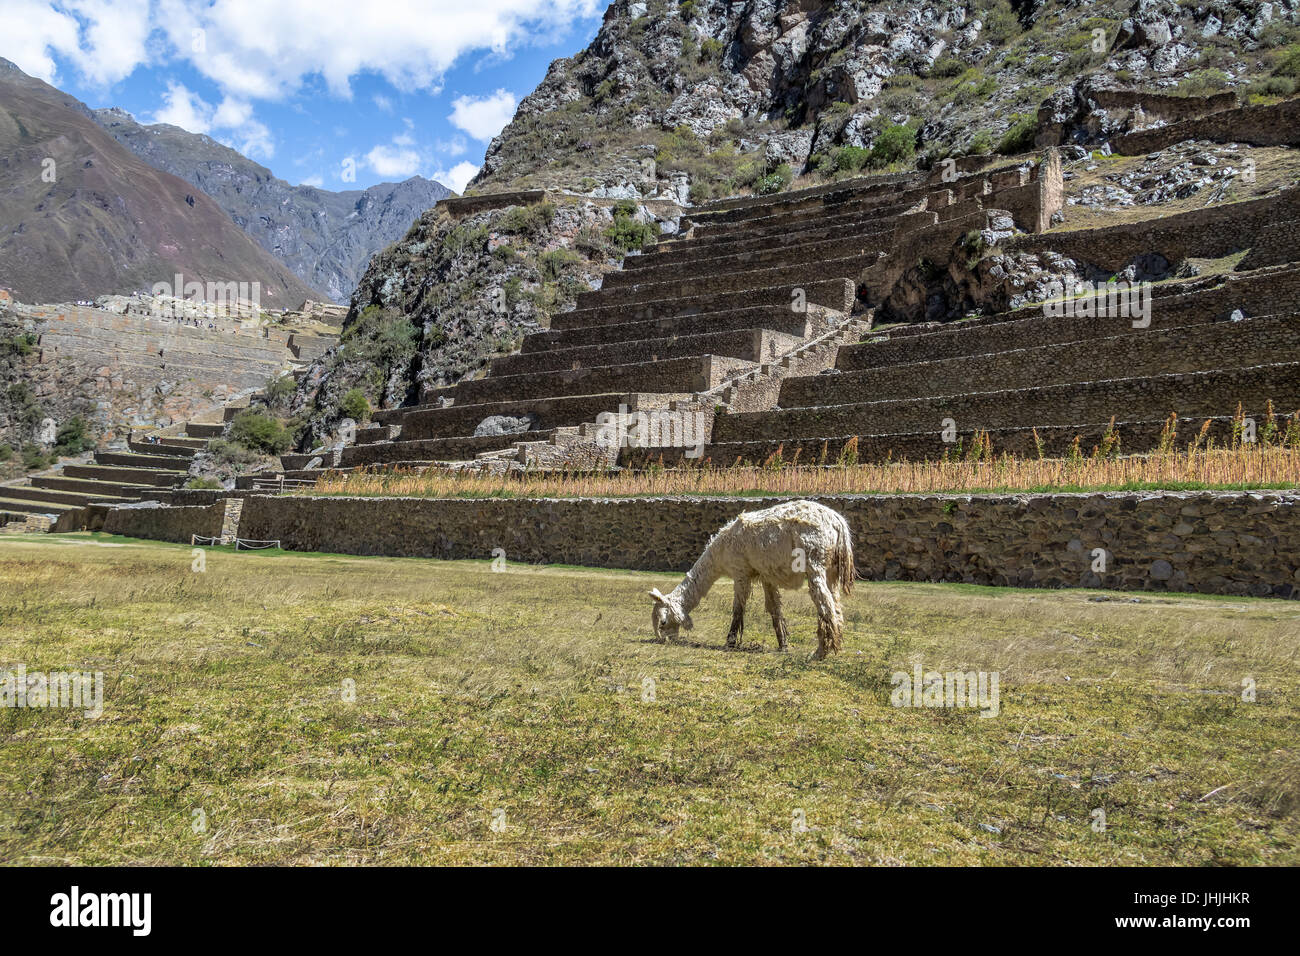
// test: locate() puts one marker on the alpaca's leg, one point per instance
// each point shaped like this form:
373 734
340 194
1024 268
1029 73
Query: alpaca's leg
829 620
739 599
772 598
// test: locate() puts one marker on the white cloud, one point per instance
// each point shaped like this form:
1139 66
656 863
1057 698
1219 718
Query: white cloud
184 108
382 102
457 177
114 35
456 146
251 49
34 32
393 162
316 181
231 121
258 50
483 116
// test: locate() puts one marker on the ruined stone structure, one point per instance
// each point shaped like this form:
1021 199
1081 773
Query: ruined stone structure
760 291
761 318
80 494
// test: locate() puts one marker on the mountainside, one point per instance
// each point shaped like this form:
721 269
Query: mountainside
326 238
109 222
702 99
730 92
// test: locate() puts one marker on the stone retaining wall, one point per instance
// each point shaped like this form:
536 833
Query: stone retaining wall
1250 342
1218 543
1270 293
1199 394
1276 124
1206 233
167 523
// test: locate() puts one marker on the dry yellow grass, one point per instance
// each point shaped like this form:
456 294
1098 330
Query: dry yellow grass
1247 466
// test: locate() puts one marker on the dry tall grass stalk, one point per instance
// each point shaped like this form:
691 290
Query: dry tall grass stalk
1245 466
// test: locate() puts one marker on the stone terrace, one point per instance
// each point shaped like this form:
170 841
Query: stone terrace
756 291
1035 382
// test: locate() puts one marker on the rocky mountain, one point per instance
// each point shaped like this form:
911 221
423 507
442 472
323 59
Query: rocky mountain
326 238
701 99
729 93
82 216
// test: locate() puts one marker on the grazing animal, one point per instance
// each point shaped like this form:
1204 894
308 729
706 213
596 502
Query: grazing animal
781 547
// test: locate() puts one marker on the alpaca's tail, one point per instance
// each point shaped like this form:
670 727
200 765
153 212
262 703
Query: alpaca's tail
841 568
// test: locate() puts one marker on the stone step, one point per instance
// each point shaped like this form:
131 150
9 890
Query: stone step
74 498
125 475
739 210
752 344
169 446
790 277
837 294
860 221
375 433
425 422
1054 441
1207 393
461 448
178 462
201 430
123 490
689 374
771 256
1223 345
1270 292
32 507
777 318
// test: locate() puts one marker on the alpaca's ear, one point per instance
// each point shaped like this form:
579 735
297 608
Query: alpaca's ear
659 598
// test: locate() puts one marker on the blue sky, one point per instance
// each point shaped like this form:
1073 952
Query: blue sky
338 95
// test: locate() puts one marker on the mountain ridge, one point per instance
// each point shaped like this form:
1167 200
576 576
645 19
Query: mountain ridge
325 237
108 222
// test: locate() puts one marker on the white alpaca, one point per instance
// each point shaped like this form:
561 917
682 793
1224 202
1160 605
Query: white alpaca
781 546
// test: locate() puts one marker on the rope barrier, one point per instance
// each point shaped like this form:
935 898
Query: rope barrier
252 544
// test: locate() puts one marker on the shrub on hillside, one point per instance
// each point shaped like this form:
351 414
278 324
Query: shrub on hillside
1288 62
229 456
778 180
894 145
35 457
1020 137
526 220
280 390
73 437
626 231
850 159
22 344
259 432
380 337
355 405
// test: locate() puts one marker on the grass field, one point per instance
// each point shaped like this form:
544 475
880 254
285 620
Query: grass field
506 718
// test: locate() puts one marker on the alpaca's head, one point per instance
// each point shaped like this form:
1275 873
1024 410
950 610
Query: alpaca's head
668 616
